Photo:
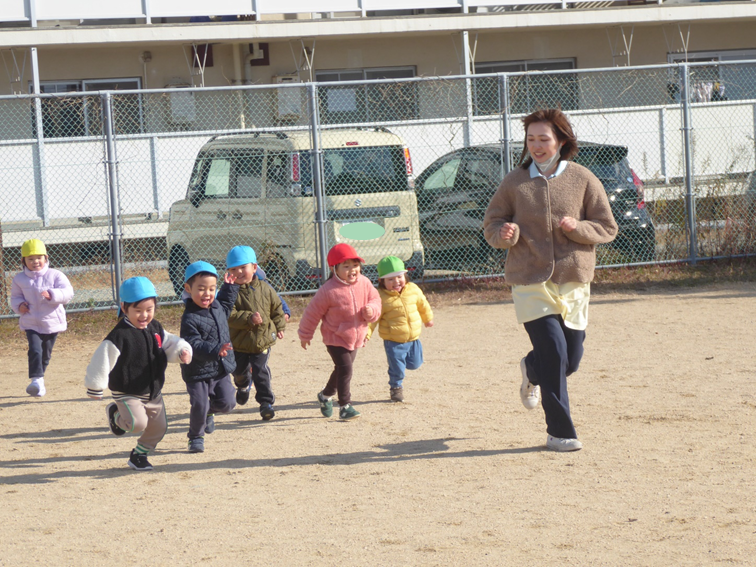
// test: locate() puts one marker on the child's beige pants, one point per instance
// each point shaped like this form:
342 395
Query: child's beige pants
147 418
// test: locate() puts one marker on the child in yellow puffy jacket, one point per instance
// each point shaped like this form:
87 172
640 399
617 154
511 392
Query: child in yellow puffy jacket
404 310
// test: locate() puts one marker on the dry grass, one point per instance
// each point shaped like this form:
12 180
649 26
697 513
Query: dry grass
95 324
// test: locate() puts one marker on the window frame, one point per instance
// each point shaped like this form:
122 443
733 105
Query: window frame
364 109
525 65
87 126
715 57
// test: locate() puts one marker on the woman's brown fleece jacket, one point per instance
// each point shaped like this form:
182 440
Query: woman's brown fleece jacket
540 250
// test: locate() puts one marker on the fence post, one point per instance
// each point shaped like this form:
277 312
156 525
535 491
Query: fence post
690 202
111 169
317 177
506 141
663 144
153 167
4 308
468 135
40 169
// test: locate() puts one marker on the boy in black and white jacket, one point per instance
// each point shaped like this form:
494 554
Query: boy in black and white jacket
131 362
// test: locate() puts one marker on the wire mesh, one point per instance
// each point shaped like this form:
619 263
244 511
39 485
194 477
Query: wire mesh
403 167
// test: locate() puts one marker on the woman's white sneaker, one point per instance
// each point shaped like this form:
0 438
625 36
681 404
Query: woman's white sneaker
530 394
36 388
562 445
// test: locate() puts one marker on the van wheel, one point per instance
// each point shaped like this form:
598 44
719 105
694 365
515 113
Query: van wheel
177 263
276 273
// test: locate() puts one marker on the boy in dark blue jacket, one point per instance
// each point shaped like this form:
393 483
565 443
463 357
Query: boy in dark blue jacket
204 325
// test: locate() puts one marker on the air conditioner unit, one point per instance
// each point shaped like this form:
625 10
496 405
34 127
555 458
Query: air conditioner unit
288 100
181 107
291 78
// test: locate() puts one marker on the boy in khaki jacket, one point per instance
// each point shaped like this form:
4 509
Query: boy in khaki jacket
256 321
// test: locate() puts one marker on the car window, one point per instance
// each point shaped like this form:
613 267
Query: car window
218 177
444 176
479 173
248 176
358 170
277 178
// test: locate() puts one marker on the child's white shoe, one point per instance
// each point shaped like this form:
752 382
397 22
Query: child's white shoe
36 388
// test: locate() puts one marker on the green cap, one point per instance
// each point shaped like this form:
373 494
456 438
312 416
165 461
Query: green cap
390 266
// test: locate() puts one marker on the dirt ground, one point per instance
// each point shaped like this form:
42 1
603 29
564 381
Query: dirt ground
458 475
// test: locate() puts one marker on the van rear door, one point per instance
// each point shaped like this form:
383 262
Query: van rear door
371 184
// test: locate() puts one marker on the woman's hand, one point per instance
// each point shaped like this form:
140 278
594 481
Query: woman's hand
507 231
568 224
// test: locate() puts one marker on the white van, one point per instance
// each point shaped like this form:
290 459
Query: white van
257 190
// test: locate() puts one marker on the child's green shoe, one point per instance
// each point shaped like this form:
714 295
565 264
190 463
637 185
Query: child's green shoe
326 405
348 412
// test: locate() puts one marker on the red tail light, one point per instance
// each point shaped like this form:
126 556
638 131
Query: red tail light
408 161
295 167
639 189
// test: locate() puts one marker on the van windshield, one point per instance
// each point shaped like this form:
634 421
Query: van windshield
349 171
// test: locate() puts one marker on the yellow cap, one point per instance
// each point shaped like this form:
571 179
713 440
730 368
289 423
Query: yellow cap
33 247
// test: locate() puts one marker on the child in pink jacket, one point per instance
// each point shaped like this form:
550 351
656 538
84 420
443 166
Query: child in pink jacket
345 305
39 294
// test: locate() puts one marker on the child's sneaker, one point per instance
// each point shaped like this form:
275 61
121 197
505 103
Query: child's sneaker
112 409
197 445
530 394
266 412
348 412
562 445
210 423
326 405
242 394
397 394
139 462
36 388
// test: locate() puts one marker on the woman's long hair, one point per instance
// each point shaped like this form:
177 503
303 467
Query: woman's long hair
561 127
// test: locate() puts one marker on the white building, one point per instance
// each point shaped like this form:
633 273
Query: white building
89 44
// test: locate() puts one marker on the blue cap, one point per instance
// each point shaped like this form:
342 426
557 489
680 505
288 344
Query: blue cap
240 255
197 267
136 289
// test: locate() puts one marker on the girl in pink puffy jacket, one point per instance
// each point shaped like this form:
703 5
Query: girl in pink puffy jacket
38 294
344 306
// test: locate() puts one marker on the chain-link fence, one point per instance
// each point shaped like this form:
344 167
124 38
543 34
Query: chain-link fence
119 183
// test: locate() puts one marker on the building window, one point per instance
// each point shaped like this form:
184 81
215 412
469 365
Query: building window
68 117
383 102
715 82
526 92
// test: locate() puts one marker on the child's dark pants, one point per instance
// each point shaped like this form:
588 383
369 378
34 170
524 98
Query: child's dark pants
556 354
253 367
40 351
341 377
215 395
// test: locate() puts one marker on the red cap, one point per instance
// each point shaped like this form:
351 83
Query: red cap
340 253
